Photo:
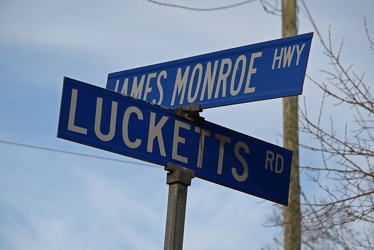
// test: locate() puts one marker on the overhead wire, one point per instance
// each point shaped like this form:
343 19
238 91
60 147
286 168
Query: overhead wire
73 153
270 8
200 9
273 9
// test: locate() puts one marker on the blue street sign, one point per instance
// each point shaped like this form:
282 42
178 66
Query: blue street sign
250 73
107 120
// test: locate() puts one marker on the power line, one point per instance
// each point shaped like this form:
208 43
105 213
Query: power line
200 9
73 153
273 9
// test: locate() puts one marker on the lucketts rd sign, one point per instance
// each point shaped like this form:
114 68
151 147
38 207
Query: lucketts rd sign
107 120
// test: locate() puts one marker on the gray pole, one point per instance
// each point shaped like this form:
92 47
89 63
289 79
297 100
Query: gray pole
292 226
178 179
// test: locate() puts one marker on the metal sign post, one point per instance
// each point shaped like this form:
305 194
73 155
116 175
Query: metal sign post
178 179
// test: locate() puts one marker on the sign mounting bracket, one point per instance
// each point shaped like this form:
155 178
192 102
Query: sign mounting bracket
191 113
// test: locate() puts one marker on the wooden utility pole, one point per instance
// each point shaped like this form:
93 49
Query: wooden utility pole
292 226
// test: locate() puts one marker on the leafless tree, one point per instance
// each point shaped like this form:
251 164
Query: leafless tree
343 212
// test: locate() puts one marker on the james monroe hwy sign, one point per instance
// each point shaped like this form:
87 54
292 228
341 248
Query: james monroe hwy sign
250 73
107 120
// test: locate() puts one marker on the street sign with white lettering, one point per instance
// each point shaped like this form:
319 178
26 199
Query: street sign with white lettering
250 73
107 120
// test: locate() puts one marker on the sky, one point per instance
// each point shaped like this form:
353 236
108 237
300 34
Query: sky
57 194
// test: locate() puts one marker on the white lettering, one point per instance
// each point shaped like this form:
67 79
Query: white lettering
200 154
125 126
277 58
269 160
180 85
148 89
177 139
251 71
298 52
222 77
287 56
243 60
234 171
155 131
137 88
198 67
223 140
113 118
279 162
72 110
163 74
124 87
116 87
279 167
209 80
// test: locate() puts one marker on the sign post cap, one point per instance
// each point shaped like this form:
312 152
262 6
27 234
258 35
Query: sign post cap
178 174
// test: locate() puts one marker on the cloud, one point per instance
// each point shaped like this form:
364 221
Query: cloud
57 201
119 217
